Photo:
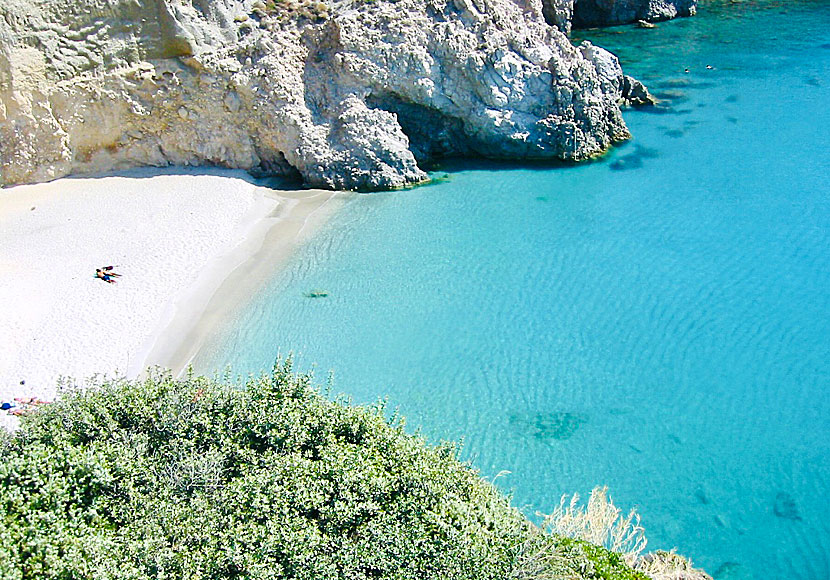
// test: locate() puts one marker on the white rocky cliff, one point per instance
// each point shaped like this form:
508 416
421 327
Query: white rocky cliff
348 94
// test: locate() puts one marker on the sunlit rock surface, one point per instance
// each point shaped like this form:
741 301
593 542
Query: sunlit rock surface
345 94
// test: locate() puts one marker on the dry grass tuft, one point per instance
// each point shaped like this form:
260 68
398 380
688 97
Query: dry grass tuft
600 522
662 565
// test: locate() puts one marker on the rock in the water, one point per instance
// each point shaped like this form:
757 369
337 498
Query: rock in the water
784 507
351 96
589 13
635 93
645 24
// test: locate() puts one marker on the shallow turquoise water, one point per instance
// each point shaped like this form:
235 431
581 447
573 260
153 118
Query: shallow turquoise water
656 321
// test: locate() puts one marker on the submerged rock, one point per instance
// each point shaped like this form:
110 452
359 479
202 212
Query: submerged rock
701 496
785 508
559 425
349 94
732 571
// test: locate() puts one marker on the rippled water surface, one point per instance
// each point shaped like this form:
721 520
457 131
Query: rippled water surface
656 321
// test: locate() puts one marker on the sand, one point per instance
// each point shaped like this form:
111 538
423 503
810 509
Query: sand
191 247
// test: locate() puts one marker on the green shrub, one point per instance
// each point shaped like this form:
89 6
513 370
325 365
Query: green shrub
201 479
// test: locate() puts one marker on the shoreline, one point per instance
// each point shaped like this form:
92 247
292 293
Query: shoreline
192 246
216 304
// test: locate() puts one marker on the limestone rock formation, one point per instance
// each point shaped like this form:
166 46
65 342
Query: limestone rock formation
588 13
348 94
635 93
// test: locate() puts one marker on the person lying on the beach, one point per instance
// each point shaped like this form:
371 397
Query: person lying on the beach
99 273
31 401
26 405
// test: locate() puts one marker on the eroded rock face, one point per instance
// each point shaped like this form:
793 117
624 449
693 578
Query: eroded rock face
345 95
588 13
558 13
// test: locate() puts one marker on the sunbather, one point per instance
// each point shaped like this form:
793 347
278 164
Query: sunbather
99 273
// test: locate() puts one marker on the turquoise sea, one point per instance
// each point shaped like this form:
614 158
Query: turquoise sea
657 321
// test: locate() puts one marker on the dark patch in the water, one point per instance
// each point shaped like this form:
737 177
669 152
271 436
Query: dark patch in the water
701 496
619 411
658 109
635 448
731 99
672 96
316 294
812 81
675 133
626 163
690 123
676 83
732 120
541 198
671 85
674 438
785 508
731 571
825 46
559 425
633 160
683 112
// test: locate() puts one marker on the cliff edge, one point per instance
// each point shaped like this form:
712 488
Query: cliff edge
347 94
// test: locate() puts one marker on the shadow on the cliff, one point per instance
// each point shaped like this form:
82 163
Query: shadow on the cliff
276 182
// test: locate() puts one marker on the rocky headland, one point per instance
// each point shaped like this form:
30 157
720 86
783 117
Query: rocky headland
352 94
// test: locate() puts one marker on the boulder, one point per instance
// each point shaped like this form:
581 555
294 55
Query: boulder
635 93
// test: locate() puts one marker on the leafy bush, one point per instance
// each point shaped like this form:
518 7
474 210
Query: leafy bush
201 479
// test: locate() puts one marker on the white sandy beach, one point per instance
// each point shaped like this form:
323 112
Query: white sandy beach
176 238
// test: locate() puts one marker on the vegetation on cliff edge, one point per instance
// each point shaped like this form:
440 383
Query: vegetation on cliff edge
200 478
